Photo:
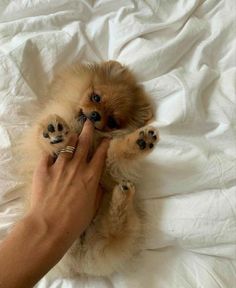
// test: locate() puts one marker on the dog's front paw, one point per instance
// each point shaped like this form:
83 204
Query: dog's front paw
54 131
147 138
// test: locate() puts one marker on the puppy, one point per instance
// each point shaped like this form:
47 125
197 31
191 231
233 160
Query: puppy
110 97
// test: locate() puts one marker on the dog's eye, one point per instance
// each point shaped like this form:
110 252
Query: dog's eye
111 123
95 97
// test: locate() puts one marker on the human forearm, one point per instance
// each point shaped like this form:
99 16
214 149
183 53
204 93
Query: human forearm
28 253
63 203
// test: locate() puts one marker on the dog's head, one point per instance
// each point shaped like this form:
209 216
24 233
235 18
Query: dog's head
109 96
113 100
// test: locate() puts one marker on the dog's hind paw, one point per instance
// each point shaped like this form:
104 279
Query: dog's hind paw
123 193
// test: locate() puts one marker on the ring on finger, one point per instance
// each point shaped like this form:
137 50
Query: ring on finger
67 149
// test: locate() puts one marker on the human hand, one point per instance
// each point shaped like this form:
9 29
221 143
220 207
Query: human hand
65 194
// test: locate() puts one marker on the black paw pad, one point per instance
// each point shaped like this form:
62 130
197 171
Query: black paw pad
152 135
151 132
59 127
125 187
141 143
45 135
51 128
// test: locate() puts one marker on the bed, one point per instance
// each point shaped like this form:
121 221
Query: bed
183 53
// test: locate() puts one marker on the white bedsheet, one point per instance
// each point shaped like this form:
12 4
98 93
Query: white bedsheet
183 52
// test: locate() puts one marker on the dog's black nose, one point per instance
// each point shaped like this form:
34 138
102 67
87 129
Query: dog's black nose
95 116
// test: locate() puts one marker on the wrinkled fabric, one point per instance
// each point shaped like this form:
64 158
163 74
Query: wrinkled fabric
183 53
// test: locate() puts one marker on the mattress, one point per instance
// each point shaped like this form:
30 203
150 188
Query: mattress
183 53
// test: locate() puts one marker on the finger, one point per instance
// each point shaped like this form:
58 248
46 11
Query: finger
64 157
98 161
45 162
85 141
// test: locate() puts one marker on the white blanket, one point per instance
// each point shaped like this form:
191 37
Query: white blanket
183 52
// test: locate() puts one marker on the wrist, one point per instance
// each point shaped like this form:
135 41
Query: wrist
34 225
52 237
40 234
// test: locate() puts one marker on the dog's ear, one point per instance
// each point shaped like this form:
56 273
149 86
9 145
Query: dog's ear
114 69
143 111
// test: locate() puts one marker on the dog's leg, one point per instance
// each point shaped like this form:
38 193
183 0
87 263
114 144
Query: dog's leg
121 209
133 145
115 236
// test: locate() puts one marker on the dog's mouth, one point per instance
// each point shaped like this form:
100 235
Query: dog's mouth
82 118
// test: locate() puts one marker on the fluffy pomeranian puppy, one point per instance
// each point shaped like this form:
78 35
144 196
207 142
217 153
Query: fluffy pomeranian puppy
108 95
